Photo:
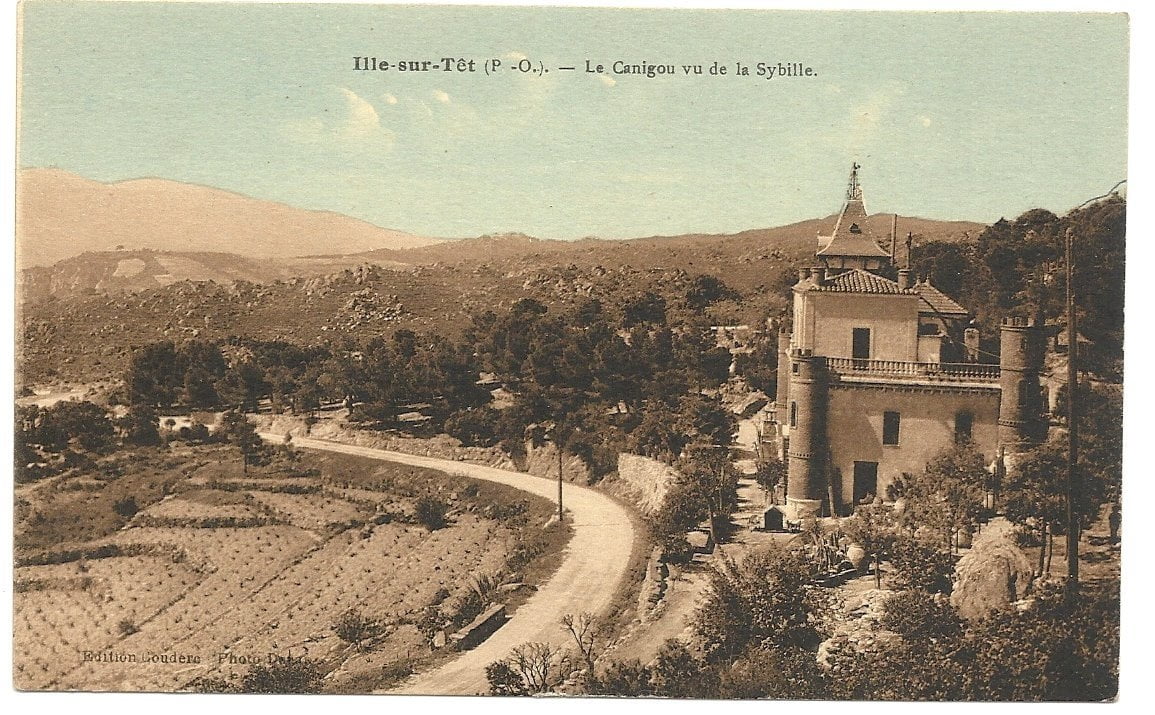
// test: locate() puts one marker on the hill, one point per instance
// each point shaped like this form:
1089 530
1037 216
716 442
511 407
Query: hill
60 215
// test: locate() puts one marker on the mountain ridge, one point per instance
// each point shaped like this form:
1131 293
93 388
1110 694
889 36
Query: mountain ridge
60 215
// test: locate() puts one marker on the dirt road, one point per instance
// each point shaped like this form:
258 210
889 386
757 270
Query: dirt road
594 565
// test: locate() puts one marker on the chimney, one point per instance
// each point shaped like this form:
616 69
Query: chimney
971 341
803 273
893 238
903 278
818 275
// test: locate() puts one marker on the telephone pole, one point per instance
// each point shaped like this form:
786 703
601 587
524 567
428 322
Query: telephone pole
557 443
1074 479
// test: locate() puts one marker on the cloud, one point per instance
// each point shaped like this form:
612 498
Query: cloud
361 119
354 123
441 96
389 99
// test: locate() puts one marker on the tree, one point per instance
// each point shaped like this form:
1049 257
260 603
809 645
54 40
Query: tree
1035 495
151 377
239 431
769 473
948 496
764 602
139 426
873 527
583 629
709 484
83 424
198 388
527 671
126 507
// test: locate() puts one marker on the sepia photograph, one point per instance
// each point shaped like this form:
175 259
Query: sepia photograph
704 354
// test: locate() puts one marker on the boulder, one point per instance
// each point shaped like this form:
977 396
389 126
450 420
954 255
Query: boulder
993 575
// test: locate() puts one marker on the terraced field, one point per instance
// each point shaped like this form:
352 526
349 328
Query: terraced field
220 574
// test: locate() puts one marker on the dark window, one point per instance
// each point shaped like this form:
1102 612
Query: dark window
854 228
860 344
890 422
793 414
963 424
794 368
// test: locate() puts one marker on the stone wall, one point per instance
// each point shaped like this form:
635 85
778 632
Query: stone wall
647 479
542 462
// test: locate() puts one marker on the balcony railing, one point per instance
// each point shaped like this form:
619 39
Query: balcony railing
942 371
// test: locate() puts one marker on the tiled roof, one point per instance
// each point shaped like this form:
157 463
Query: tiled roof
856 280
851 237
937 302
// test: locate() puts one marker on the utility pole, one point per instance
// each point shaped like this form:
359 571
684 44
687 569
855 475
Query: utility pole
557 443
1074 481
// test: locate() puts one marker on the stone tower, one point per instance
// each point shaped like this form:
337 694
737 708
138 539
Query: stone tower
1022 409
806 415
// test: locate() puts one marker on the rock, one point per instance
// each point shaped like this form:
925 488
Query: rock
994 575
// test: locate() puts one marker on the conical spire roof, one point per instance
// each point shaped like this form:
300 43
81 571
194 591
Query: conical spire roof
852 236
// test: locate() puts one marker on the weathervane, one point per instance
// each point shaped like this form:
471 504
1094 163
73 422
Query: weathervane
854 191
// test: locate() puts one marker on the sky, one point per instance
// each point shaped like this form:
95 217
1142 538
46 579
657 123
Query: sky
952 116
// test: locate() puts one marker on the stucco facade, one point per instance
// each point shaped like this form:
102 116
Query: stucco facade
929 420
869 387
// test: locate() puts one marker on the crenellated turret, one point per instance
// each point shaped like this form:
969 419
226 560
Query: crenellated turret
1022 418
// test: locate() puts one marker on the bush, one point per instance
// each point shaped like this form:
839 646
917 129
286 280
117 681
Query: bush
919 567
623 678
354 628
126 507
779 673
474 427
920 615
504 680
430 513
286 675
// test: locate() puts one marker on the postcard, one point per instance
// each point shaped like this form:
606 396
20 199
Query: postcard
514 351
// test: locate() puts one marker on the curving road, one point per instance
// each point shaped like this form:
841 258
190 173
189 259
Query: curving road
594 564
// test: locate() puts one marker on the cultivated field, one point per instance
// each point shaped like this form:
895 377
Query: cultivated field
217 572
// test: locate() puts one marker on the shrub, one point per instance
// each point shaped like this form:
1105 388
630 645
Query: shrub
919 567
285 675
623 678
126 507
780 673
430 512
504 680
920 615
354 628
126 627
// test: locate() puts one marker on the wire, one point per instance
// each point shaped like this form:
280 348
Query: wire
1109 193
